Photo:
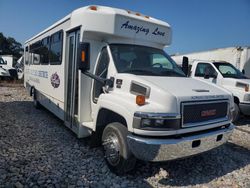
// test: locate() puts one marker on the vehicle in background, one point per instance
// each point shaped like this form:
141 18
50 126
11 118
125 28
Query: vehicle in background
227 76
237 56
103 71
7 72
20 67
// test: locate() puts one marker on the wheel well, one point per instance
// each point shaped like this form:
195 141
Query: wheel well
104 118
31 90
236 100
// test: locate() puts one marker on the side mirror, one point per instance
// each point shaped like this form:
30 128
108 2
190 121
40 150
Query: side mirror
83 56
243 71
185 65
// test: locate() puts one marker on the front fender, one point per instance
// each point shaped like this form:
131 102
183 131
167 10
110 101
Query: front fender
118 105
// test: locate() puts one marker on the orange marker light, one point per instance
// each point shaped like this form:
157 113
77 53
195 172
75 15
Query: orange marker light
140 100
137 14
247 88
83 56
147 17
93 8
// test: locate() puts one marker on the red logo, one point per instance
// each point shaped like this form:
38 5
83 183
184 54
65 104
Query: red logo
207 113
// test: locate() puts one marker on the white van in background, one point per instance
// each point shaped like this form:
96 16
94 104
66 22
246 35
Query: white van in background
7 71
227 76
238 56
103 71
224 75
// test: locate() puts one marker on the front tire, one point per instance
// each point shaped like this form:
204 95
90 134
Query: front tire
236 114
117 154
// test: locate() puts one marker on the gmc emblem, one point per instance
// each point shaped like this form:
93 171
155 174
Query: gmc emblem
207 113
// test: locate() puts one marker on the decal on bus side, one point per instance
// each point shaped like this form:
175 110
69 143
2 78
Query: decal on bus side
55 80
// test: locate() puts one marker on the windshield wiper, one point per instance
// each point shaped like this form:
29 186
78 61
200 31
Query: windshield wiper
139 71
171 73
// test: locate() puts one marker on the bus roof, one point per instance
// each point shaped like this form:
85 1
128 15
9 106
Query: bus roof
118 22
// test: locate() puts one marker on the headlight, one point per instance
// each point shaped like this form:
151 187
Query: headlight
246 97
156 121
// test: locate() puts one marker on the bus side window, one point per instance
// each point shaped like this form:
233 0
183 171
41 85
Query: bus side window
26 56
101 71
55 52
44 51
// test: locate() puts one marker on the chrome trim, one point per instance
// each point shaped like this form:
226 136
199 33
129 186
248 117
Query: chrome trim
180 131
142 85
155 149
226 118
150 115
205 122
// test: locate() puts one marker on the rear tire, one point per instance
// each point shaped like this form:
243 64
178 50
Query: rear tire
236 114
117 154
36 103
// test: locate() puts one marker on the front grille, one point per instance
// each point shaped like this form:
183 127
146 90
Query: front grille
194 114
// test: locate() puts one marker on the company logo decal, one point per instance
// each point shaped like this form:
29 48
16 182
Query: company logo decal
141 29
55 80
207 113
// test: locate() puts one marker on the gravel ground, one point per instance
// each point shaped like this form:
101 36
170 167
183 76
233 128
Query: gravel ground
37 150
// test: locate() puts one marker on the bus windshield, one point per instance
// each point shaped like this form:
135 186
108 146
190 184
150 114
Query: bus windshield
229 71
142 60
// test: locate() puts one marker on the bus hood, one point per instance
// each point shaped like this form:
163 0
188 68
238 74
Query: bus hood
187 89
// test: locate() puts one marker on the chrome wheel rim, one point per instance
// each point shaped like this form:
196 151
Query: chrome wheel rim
112 149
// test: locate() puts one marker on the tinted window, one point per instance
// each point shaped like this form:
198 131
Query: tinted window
35 52
201 67
229 71
44 51
55 53
26 55
2 62
101 70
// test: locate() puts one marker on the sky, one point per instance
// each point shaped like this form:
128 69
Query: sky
197 25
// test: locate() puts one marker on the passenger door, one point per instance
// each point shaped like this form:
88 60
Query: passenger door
200 72
101 71
72 80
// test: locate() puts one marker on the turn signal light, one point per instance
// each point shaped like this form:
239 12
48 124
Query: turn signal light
247 88
140 100
83 56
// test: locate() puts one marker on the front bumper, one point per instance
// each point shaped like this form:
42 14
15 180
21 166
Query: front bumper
160 149
245 108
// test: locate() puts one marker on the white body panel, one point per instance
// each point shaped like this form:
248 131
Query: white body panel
6 62
9 59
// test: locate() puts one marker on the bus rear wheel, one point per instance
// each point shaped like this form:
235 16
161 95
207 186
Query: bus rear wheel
36 103
116 151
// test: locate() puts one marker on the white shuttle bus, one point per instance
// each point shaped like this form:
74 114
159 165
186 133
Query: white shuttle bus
103 71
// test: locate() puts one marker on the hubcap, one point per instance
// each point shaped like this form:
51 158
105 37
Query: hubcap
112 149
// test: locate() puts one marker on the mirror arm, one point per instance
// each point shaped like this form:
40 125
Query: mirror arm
97 78
103 81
